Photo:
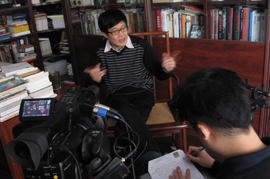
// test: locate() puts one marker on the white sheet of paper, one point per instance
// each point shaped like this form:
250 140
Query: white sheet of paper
162 167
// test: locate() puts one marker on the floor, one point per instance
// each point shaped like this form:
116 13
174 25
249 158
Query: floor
164 143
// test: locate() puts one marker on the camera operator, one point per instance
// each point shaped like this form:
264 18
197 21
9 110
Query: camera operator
216 103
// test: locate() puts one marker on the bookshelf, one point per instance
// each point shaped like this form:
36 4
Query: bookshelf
249 59
52 32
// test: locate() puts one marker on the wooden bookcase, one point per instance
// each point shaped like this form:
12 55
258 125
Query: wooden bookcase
249 59
50 8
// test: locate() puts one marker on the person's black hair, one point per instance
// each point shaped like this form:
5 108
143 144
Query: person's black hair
110 18
216 97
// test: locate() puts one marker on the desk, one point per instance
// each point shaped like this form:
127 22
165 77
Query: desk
6 136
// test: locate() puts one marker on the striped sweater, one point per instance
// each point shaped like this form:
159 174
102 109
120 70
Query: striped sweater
131 67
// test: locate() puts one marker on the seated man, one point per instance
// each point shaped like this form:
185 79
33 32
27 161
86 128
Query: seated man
125 64
216 103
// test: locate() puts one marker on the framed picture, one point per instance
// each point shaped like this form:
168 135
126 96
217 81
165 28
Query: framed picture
196 32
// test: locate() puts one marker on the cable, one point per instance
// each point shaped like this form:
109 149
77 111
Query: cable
75 159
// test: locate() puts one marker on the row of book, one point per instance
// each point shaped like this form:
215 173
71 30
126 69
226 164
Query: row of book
17 51
41 1
243 23
89 20
76 3
21 81
178 22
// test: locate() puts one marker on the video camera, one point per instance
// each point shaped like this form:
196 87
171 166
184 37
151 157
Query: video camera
66 138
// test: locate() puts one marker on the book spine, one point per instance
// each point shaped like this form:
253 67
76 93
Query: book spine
9 101
159 20
224 15
212 27
236 23
250 25
10 110
216 24
12 53
241 24
220 24
17 16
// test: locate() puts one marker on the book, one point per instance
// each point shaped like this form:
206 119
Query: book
27 72
212 23
9 116
236 22
257 26
12 98
263 26
35 77
11 107
12 91
220 24
16 16
11 69
25 48
20 33
43 93
37 85
16 81
159 20
245 31
251 25
224 16
241 23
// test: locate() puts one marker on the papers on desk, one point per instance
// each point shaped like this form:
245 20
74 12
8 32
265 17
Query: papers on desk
163 167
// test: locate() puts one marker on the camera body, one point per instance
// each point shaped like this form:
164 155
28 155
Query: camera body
62 143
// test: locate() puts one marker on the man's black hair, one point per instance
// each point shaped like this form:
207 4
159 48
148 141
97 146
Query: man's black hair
216 97
110 18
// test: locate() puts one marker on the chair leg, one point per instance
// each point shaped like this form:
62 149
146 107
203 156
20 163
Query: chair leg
173 146
181 140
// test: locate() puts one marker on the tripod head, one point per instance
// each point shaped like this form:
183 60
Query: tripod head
258 97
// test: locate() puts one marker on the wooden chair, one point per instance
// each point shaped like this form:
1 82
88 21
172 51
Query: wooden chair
161 122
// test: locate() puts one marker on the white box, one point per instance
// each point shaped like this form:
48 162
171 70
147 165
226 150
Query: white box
60 66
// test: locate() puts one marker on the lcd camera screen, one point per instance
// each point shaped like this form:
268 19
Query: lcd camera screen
36 109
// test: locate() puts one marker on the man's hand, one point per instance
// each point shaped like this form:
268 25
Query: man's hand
177 174
96 73
202 158
169 62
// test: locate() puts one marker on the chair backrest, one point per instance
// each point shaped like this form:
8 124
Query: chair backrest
167 39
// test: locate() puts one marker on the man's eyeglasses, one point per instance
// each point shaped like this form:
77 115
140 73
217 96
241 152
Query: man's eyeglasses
116 32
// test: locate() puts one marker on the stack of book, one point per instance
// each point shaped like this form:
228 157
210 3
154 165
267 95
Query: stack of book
17 24
9 69
63 45
12 91
69 69
45 46
3 33
38 85
26 53
41 21
57 21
